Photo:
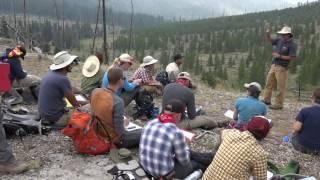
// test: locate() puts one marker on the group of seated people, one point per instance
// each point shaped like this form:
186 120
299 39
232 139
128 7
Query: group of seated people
163 149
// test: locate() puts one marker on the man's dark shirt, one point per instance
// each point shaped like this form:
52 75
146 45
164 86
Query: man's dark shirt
288 48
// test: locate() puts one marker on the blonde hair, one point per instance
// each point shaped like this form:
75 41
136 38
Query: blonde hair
116 63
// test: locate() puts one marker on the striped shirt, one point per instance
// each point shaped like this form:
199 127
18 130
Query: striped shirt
160 145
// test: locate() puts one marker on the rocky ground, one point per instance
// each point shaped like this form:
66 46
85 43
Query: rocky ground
59 160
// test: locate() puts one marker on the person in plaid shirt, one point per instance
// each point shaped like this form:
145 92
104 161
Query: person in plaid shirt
145 73
163 150
240 155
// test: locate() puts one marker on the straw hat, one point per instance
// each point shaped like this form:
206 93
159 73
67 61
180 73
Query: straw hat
91 66
285 30
148 60
62 59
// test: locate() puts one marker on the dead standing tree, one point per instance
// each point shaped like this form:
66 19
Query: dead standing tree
104 32
96 27
131 28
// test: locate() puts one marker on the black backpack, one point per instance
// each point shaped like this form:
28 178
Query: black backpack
144 104
163 77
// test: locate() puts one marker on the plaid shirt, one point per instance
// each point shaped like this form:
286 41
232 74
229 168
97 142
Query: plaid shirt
160 145
239 157
144 74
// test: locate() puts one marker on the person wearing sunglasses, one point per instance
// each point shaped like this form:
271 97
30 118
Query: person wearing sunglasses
130 89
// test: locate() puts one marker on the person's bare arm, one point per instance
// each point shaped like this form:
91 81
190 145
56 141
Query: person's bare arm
72 99
235 115
297 126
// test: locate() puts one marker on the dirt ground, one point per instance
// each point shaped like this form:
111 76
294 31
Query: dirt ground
59 161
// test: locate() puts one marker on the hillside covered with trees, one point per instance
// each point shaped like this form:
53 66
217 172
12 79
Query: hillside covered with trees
232 50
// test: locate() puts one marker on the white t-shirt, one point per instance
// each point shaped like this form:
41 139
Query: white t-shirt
173 70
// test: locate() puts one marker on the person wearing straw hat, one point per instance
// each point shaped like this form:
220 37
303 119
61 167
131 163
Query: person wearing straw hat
130 89
92 73
145 73
54 87
284 51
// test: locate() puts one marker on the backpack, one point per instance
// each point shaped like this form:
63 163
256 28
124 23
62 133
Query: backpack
163 77
144 104
85 140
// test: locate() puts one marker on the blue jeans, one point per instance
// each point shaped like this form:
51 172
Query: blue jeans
299 147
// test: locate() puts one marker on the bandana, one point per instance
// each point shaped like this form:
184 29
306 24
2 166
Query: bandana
167 118
183 82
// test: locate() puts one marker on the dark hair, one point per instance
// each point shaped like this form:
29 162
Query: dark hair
316 96
177 56
99 55
114 75
23 50
175 106
254 91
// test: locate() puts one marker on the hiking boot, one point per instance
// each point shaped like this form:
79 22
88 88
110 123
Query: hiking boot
266 103
14 167
276 107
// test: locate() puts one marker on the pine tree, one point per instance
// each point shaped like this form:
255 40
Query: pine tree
210 60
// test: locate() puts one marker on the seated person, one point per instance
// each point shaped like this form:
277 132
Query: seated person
54 87
173 68
108 109
129 90
163 150
92 73
145 73
18 77
306 127
250 106
182 91
240 155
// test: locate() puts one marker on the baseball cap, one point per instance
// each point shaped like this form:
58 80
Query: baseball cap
255 84
175 106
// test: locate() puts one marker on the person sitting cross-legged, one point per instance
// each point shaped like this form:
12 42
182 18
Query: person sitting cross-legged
306 128
182 90
108 109
54 87
240 155
163 151
250 106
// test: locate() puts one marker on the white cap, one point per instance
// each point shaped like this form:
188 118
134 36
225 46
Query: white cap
257 85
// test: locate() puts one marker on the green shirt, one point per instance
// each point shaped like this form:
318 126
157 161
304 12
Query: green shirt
88 84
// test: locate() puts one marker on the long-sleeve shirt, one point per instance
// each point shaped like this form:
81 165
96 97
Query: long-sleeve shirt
144 74
16 70
127 86
160 145
184 94
239 157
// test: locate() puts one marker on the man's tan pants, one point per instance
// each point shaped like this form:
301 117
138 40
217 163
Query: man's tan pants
277 76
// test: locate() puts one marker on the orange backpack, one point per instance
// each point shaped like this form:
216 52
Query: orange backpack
84 138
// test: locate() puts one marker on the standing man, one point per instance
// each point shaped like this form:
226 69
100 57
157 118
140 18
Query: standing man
284 51
173 68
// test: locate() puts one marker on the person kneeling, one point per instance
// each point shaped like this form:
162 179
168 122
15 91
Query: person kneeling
163 152
108 108
306 137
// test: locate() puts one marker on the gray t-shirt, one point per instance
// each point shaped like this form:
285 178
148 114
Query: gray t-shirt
288 48
53 89
184 94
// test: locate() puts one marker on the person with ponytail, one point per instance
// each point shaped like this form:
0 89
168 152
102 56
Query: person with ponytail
130 89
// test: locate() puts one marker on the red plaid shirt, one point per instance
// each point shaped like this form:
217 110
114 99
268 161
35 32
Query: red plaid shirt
144 74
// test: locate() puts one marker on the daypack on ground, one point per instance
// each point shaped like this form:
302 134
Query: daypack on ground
5 84
84 138
163 78
144 104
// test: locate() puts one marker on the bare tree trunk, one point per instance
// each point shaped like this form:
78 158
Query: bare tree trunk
104 32
24 15
14 13
131 28
96 28
113 29
63 42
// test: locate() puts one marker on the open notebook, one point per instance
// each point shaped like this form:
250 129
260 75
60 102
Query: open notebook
188 135
132 127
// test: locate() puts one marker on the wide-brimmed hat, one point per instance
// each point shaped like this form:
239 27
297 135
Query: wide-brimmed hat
126 58
120 155
285 30
184 75
255 84
62 59
91 66
148 60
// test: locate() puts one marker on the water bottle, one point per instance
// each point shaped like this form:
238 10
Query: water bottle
195 175
286 139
